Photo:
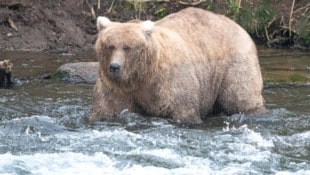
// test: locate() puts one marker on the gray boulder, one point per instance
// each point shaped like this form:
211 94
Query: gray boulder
80 72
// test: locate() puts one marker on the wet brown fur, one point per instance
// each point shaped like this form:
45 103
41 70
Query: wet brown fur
190 62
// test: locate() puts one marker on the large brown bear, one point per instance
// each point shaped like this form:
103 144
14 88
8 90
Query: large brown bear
186 66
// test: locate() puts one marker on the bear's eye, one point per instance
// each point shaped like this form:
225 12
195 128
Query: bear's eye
110 47
126 48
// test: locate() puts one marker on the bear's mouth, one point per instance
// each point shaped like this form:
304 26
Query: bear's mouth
114 76
126 80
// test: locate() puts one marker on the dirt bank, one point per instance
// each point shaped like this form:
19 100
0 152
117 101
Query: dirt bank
69 25
52 25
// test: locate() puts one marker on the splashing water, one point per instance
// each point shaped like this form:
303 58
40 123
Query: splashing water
45 133
49 148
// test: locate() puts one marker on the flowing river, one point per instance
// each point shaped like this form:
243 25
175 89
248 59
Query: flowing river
42 131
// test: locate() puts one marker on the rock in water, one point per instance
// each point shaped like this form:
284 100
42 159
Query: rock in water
80 72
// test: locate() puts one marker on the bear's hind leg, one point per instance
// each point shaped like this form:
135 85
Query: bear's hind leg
241 100
241 91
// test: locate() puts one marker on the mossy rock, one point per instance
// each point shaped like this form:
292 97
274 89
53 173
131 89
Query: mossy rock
60 75
80 72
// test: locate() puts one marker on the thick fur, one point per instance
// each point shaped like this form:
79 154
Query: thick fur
185 66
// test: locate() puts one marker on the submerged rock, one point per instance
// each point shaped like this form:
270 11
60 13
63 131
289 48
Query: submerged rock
80 72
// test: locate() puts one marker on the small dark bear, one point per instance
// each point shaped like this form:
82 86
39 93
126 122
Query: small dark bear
6 73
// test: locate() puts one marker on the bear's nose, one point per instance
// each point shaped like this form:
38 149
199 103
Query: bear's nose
114 67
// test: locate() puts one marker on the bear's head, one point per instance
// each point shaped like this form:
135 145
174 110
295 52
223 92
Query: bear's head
126 51
6 65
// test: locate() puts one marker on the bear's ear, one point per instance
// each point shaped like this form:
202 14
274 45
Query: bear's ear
102 23
147 26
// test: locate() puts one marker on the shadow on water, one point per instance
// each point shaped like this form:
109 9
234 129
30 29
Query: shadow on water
43 131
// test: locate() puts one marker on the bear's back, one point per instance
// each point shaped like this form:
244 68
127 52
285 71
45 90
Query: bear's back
200 26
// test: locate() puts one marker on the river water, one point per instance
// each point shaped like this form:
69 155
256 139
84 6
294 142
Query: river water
42 131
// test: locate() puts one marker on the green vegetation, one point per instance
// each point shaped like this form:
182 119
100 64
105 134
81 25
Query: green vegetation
297 77
255 19
303 27
161 12
60 75
233 8
208 5
259 18
285 77
138 6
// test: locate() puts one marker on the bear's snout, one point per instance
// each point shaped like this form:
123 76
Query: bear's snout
114 68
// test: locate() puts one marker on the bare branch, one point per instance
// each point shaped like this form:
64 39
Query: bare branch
290 20
12 24
192 3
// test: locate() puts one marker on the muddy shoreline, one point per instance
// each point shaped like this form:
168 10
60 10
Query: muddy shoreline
67 26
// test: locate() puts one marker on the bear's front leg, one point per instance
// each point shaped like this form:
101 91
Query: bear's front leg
107 102
187 113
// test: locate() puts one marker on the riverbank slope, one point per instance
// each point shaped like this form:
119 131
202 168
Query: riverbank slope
69 26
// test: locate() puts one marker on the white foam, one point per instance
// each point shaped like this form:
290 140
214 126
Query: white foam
249 136
115 150
300 172
81 164
56 163
37 117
